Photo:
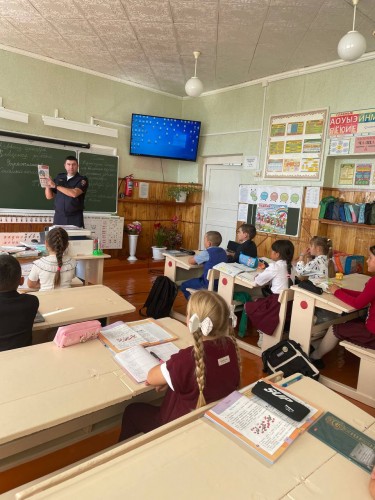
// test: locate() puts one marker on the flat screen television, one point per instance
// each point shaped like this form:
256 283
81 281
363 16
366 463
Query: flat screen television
163 137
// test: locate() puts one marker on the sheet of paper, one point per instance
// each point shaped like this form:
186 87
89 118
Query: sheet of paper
242 212
312 197
122 336
43 173
164 351
143 189
136 361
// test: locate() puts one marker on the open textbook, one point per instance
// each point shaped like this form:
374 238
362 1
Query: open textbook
120 336
231 269
138 361
259 425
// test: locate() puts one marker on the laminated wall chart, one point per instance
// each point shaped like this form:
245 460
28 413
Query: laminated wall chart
271 209
108 230
296 145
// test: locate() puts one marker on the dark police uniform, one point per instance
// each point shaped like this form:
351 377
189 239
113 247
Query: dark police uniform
68 210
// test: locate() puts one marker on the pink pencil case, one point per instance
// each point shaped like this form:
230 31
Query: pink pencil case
76 333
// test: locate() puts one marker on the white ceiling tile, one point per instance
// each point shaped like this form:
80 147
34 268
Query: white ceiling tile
57 8
242 12
108 9
196 32
88 44
148 10
195 11
48 40
17 9
118 28
154 31
67 27
32 25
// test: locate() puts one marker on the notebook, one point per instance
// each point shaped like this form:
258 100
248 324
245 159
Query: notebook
232 246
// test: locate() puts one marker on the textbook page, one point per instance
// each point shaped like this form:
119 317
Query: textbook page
137 362
151 331
163 351
231 269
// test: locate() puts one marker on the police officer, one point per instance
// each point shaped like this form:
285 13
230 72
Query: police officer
69 191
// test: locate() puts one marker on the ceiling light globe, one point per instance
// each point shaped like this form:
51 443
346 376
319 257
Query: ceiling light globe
194 87
351 46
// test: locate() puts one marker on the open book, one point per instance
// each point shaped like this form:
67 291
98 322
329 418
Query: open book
138 360
231 269
258 424
120 336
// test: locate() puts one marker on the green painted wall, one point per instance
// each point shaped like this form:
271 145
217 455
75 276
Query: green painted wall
38 88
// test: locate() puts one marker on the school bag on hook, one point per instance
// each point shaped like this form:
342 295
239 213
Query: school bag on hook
160 299
288 357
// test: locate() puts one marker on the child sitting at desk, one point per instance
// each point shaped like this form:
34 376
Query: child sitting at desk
17 311
195 376
245 235
356 331
57 270
264 313
209 257
318 255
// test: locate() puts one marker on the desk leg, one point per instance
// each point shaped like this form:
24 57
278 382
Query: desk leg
170 269
302 320
91 271
226 288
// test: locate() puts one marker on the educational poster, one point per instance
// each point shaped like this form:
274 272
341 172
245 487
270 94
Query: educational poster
346 174
339 146
271 218
362 174
356 129
296 145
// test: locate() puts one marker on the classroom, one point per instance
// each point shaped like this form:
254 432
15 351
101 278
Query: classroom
74 77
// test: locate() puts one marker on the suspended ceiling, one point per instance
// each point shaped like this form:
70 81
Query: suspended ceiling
151 42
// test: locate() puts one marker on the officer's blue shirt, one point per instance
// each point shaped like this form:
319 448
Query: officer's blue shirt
66 206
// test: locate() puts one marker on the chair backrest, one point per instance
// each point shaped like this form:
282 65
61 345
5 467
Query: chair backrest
211 279
270 340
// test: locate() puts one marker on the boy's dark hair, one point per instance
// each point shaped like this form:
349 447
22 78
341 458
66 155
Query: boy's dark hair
285 249
71 158
249 229
10 273
214 237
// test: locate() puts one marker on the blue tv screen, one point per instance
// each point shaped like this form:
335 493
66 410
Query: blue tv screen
162 137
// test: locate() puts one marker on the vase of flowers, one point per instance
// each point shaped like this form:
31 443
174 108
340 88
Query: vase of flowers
133 229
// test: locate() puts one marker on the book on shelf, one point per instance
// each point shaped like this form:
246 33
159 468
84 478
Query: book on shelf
260 425
120 336
231 269
137 361
345 439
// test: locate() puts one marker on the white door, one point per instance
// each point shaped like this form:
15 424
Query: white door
220 206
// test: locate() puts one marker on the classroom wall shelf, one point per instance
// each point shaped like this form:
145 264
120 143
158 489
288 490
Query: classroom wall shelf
346 224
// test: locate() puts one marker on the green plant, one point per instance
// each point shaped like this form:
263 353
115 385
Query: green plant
174 191
160 235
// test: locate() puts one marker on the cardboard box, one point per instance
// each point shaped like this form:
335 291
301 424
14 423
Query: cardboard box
80 247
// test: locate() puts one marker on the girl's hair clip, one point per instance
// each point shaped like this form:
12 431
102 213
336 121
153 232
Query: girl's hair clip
59 268
206 325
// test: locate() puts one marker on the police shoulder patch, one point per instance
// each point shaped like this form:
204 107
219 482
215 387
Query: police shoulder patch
83 182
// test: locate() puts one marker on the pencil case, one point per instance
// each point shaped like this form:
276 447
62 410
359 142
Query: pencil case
76 333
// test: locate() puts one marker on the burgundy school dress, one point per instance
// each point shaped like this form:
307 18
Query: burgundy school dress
222 378
357 331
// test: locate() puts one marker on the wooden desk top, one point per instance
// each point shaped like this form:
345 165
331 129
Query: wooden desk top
350 281
198 460
182 261
43 385
69 305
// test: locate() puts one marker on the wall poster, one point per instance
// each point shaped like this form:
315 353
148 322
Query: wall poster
356 128
296 145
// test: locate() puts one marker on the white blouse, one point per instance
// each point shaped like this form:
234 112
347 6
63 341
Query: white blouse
276 274
44 271
316 268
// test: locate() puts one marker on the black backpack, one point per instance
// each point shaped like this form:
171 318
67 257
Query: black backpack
288 357
160 299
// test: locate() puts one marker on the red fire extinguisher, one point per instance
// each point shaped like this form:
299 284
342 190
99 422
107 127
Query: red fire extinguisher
129 185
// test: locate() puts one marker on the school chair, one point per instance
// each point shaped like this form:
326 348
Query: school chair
211 282
270 340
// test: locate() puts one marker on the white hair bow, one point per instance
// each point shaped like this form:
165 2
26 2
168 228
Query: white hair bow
206 325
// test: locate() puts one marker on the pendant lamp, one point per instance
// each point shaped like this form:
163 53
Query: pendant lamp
352 45
194 87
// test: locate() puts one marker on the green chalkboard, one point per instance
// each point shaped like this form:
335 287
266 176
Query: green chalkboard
19 181
102 174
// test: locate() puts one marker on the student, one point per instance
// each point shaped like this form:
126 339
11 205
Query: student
245 234
195 376
318 257
356 331
211 256
57 270
17 310
264 312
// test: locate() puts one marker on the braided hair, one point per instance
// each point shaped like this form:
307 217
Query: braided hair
57 240
209 304
285 249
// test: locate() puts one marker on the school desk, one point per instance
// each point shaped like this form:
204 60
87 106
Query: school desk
304 303
51 397
178 270
70 305
193 458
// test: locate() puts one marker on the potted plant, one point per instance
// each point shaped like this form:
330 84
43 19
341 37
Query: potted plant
160 238
174 237
133 229
179 192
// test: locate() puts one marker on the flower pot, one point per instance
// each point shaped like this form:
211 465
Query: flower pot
133 238
157 253
181 198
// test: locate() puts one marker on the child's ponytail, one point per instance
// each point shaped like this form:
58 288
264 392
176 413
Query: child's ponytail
58 240
285 249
